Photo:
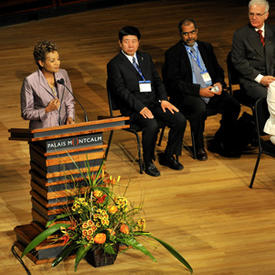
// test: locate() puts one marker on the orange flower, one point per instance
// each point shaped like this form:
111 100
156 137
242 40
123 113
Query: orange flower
100 238
111 231
112 209
124 229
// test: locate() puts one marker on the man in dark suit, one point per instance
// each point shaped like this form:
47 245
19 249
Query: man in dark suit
134 81
253 51
195 82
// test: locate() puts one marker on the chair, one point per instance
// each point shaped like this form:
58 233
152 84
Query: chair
210 112
113 105
192 148
265 146
233 79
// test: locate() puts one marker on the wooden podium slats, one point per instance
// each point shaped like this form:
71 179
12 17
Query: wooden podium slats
63 175
50 203
54 154
76 158
47 182
56 194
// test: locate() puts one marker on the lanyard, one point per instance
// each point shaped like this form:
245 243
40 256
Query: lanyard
196 57
138 68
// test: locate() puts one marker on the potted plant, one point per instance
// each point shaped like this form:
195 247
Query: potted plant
101 222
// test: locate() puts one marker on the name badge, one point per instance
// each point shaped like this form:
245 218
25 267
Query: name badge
145 86
206 77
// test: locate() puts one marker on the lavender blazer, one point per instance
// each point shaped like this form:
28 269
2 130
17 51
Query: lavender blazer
36 95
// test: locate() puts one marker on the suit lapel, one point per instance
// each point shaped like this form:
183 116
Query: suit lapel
255 42
203 54
126 62
186 60
44 84
60 88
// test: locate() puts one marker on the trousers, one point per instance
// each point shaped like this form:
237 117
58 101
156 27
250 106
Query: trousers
150 128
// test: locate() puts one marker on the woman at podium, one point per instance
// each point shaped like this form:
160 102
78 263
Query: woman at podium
46 94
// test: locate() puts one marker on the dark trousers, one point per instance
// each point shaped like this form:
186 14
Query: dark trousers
196 111
150 128
253 90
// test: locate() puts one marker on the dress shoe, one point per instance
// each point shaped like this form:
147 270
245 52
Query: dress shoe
170 161
201 154
151 170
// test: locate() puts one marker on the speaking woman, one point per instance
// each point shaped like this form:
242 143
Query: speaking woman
45 100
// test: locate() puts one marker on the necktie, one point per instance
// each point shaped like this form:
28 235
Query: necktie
197 71
137 68
260 32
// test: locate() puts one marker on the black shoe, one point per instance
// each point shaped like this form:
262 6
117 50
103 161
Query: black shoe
151 170
201 154
170 162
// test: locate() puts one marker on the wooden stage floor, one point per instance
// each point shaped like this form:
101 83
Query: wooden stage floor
205 211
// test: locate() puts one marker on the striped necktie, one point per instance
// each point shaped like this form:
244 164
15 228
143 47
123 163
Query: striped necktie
260 32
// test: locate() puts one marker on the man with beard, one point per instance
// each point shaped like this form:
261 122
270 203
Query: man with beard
196 84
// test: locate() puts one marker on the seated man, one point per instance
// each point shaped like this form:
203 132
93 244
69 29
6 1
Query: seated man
253 51
134 81
195 81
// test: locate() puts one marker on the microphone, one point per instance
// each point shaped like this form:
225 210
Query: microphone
62 82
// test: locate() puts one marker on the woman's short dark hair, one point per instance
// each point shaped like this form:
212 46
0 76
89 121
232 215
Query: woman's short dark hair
41 49
129 30
185 22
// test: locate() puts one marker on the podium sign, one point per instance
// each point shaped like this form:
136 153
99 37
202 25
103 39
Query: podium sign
54 154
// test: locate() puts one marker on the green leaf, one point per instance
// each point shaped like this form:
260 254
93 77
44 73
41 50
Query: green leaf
109 249
173 252
135 244
58 217
80 254
66 251
43 236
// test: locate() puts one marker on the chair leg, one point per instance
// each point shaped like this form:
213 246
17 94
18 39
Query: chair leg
139 154
161 136
255 170
109 144
194 145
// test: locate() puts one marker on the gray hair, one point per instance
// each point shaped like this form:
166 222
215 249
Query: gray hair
259 2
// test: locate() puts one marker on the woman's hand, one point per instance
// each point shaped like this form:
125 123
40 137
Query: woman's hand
53 105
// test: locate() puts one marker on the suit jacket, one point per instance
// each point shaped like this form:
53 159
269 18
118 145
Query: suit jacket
177 70
36 95
123 82
249 57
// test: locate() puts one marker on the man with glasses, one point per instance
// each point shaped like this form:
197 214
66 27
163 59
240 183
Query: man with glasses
253 51
195 82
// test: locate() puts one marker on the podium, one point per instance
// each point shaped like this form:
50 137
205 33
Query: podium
54 154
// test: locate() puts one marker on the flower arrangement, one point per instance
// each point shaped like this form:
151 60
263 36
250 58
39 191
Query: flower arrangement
99 218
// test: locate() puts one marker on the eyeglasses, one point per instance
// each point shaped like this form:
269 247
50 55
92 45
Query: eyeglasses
187 33
251 14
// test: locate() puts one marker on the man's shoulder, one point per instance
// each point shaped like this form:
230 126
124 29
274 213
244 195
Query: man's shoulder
204 44
175 49
242 30
115 59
